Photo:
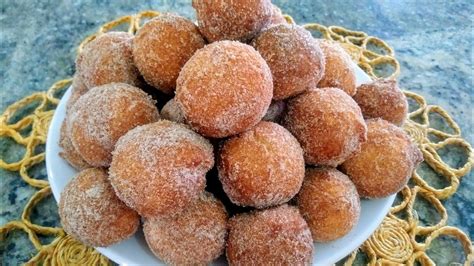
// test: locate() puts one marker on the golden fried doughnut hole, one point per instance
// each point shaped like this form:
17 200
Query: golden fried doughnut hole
69 153
261 167
161 48
386 161
327 123
172 112
159 169
294 58
276 236
224 89
91 212
106 59
329 203
105 113
382 99
232 20
195 236
339 71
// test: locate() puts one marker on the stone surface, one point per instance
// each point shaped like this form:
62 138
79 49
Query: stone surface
433 41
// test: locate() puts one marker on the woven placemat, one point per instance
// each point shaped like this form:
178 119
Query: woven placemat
396 241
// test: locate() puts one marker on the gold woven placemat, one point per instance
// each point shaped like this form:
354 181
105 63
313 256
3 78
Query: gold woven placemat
394 242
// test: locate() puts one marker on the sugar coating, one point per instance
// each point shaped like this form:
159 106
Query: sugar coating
105 113
261 167
106 59
78 88
276 236
329 203
195 236
276 17
91 212
224 89
232 20
294 57
68 152
172 112
159 168
275 111
382 98
338 72
327 123
161 48
386 160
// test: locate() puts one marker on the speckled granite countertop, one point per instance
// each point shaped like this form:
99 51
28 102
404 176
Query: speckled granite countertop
433 41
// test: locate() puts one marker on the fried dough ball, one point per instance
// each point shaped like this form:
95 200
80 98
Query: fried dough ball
68 152
276 236
91 212
327 123
172 112
275 111
161 48
105 113
261 167
78 88
224 89
386 161
232 20
158 169
106 59
294 58
329 203
382 99
339 71
195 236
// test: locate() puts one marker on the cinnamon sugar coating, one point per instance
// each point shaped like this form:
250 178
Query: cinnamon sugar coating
386 161
261 167
159 169
91 212
106 59
329 203
327 123
224 89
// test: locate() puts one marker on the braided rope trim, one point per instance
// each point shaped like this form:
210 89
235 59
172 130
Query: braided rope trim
394 242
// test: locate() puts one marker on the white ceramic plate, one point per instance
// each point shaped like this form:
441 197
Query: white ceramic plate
134 251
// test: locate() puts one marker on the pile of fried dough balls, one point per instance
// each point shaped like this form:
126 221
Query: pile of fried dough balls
259 121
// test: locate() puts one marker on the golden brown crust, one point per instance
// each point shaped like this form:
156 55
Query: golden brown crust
106 59
91 212
158 169
68 152
276 236
105 113
339 71
327 123
386 161
161 48
382 99
224 89
294 58
329 203
232 20
195 236
261 167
